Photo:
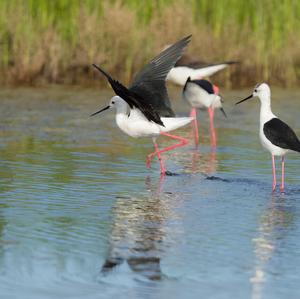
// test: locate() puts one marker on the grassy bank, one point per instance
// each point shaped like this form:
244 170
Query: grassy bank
56 41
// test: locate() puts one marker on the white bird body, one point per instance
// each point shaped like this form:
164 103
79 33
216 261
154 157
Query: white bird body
199 98
275 135
201 94
266 115
179 74
135 124
144 109
268 145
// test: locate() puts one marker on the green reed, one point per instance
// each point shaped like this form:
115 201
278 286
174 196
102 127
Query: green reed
57 40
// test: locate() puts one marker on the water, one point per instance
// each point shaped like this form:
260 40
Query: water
81 216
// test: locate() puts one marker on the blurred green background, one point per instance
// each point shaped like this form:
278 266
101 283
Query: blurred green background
56 41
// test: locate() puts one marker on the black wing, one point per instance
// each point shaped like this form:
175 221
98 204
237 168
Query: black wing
132 99
150 84
280 134
204 84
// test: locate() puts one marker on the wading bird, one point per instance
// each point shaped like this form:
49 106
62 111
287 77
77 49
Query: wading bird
202 94
143 109
275 135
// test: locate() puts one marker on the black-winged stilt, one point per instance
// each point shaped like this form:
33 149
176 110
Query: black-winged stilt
202 94
275 135
143 109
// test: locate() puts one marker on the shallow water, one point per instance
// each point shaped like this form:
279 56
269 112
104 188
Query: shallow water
81 216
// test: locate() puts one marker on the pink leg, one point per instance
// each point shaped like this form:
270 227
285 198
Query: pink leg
213 139
182 142
282 174
157 153
216 89
195 125
273 173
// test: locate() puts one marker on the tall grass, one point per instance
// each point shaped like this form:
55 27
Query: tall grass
57 40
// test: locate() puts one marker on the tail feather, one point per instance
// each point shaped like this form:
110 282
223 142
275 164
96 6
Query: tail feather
173 123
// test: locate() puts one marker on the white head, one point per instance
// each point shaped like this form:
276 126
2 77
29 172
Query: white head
115 102
262 91
217 102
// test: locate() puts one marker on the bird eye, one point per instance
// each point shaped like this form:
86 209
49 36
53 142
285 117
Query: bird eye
113 102
255 90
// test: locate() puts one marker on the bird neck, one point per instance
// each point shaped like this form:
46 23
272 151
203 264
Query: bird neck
122 115
121 107
265 110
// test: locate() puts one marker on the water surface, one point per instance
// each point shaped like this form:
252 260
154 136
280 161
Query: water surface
82 217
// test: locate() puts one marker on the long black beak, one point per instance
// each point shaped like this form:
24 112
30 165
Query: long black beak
223 111
105 108
244 99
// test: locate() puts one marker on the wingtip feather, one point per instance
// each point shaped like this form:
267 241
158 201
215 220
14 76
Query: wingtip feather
101 70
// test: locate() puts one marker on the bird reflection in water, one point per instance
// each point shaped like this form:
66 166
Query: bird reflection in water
273 227
206 163
138 231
